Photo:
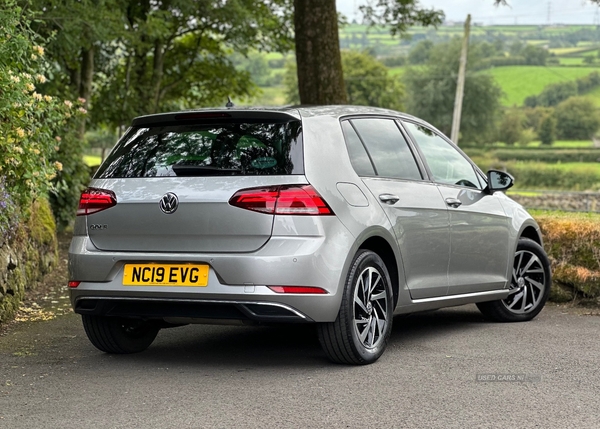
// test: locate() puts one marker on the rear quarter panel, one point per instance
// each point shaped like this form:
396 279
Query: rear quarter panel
326 165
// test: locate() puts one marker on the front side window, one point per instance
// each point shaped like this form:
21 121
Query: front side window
387 148
447 165
225 149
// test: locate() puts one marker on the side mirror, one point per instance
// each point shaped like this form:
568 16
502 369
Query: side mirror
499 181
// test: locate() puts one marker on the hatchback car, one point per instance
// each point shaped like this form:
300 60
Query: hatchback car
342 216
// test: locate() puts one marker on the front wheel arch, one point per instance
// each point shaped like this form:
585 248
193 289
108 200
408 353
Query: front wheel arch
530 283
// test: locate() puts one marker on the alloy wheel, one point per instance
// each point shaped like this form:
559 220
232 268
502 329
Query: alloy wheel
370 307
528 283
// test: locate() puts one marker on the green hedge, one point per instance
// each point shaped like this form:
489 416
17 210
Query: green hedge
549 156
535 175
572 242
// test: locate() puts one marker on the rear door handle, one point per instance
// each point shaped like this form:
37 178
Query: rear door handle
453 202
389 198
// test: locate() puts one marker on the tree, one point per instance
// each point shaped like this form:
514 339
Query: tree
547 132
146 56
576 119
510 130
552 94
367 82
79 33
421 52
534 55
431 90
318 58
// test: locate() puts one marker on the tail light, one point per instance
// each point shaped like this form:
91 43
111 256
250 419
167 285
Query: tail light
282 200
94 200
74 284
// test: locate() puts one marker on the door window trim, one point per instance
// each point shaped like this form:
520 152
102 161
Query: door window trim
478 172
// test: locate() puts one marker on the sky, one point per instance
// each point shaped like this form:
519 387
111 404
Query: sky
518 11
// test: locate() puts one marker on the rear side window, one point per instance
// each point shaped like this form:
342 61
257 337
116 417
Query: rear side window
387 148
358 154
227 149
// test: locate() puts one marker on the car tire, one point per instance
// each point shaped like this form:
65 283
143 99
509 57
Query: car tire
362 328
530 286
119 335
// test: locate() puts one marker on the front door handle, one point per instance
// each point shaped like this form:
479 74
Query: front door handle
453 202
389 198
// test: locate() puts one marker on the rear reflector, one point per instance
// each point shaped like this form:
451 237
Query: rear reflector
282 200
94 200
74 284
298 289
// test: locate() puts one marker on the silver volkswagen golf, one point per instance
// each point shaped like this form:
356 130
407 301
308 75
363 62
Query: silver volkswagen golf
342 216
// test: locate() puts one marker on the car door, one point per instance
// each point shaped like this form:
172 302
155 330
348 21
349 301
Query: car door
384 159
479 228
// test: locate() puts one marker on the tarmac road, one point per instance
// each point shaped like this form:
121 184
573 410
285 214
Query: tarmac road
277 377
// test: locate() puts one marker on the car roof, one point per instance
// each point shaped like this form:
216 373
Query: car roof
282 112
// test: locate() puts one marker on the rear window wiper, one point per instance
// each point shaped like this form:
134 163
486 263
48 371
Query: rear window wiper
201 170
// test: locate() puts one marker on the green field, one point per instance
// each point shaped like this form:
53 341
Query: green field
91 160
569 51
571 61
519 82
397 71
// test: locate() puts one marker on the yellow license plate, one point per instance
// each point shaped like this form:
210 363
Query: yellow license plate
165 275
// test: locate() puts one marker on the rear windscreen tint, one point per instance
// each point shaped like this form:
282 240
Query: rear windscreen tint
227 149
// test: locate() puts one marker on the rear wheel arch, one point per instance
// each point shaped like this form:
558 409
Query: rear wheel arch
382 248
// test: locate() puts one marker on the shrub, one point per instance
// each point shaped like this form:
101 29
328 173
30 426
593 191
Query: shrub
555 93
69 182
573 245
510 129
29 120
395 61
527 135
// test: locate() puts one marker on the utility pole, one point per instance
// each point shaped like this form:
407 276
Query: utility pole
460 85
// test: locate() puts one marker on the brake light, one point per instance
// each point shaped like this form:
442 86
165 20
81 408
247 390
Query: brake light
201 115
74 284
298 289
94 200
282 200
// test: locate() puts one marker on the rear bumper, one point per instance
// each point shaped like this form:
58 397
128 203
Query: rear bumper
188 310
237 281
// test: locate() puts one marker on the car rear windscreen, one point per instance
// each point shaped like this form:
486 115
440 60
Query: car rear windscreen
217 149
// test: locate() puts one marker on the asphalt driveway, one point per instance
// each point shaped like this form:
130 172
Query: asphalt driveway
542 374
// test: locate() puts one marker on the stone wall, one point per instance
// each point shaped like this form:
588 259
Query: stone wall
26 258
569 201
